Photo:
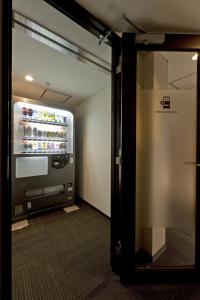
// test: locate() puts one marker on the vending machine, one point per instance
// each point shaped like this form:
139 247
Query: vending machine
43 160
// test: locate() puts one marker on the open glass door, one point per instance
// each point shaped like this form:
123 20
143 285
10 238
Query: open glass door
160 160
166 123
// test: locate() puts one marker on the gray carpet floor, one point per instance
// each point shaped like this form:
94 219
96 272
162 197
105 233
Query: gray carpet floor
180 248
66 256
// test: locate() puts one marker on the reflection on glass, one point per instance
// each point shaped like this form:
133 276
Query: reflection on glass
166 159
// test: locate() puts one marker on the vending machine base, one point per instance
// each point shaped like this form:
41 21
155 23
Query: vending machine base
53 188
49 204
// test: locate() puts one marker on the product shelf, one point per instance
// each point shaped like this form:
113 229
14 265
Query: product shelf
22 120
36 139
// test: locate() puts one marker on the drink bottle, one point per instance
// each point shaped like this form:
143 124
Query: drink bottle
26 131
52 134
39 133
48 134
39 146
52 147
35 132
44 134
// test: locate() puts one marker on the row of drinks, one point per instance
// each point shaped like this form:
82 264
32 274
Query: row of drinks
33 114
41 147
34 132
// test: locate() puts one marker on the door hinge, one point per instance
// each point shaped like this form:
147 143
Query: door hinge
118 69
118 248
8 167
118 160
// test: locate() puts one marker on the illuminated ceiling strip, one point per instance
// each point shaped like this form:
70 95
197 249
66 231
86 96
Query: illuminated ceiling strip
49 38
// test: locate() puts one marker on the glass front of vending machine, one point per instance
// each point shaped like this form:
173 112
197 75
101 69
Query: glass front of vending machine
43 157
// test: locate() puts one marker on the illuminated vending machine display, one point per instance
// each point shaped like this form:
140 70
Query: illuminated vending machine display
40 129
43 160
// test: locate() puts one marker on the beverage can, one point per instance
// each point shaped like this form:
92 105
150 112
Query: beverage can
49 117
24 111
35 146
52 147
53 117
43 146
39 146
25 147
61 134
60 119
48 146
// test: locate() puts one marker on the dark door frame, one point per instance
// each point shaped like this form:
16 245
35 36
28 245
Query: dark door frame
81 16
5 149
128 271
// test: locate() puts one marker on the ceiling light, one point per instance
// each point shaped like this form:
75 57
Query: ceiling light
29 78
194 57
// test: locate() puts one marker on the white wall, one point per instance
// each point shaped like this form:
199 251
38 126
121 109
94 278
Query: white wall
93 150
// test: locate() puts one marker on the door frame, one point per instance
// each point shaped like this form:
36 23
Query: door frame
86 20
128 271
5 149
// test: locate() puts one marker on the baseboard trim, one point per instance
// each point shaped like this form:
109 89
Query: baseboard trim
78 200
143 257
158 253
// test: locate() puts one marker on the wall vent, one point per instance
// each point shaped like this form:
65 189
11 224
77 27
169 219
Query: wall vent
51 95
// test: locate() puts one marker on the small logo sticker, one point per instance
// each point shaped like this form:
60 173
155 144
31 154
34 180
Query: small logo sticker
166 101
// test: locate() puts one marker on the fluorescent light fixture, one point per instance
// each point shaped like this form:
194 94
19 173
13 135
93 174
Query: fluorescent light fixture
29 78
194 57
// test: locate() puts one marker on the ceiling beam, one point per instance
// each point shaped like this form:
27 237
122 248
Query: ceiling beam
85 19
